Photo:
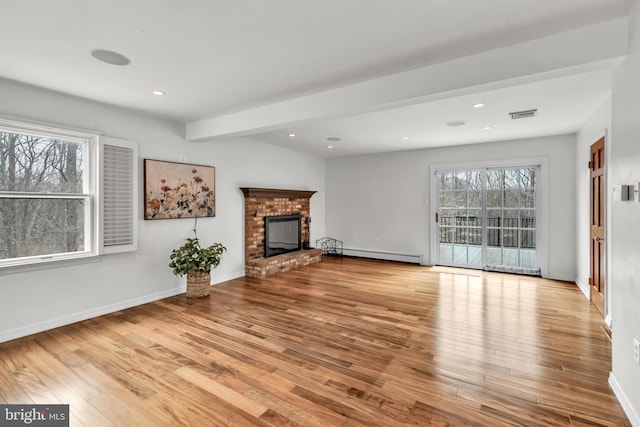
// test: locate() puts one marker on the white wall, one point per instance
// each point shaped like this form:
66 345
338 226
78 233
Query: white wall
386 196
597 126
37 300
624 236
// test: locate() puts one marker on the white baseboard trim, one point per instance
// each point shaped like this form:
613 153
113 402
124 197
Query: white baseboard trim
387 256
558 277
84 315
624 401
100 311
226 278
584 288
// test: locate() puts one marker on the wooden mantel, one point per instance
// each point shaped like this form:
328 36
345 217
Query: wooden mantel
276 193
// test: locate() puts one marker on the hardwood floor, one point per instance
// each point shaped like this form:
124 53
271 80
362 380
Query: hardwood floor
344 342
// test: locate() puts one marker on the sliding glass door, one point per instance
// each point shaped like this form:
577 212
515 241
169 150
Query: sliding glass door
460 218
486 218
511 219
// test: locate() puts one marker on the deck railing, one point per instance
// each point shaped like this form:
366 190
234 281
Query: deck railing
501 232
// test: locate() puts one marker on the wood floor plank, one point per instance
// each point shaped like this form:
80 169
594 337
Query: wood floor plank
343 342
237 400
10 390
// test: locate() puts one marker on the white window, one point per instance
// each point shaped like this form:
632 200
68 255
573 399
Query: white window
64 194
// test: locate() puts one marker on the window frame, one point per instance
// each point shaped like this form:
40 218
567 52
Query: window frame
542 224
92 194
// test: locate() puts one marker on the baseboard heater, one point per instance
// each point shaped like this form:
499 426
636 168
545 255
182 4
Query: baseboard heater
388 256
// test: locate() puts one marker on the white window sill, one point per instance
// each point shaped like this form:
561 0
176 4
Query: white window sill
48 263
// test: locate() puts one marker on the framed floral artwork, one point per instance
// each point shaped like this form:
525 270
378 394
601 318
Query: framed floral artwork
178 190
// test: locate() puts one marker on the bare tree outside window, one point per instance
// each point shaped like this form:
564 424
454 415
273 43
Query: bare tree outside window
488 216
41 195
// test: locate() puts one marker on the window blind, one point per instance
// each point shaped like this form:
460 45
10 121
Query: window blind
119 179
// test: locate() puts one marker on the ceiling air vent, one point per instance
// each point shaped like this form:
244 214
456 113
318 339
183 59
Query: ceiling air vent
523 114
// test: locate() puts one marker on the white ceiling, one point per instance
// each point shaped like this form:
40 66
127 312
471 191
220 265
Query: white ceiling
216 58
563 105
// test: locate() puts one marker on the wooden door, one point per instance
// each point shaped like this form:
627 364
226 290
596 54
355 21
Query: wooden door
597 225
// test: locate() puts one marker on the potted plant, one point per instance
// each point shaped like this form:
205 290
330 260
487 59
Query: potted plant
196 262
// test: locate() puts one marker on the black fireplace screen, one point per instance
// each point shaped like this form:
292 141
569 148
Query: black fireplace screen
282 234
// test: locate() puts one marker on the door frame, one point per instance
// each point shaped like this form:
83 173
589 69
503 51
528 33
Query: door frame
542 231
608 197
602 200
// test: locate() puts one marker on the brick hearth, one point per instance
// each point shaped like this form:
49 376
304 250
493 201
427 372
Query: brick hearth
262 202
265 267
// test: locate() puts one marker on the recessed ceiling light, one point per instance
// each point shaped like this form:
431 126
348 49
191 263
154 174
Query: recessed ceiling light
330 147
404 138
158 92
110 57
291 135
333 139
487 127
478 105
456 123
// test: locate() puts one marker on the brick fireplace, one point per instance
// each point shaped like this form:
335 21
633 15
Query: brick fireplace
262 202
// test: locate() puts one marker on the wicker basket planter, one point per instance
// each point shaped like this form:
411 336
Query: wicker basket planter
198 284
196 262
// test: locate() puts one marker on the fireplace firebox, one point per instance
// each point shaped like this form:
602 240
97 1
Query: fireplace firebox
282 234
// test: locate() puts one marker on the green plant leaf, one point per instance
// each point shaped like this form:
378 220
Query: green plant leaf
191 257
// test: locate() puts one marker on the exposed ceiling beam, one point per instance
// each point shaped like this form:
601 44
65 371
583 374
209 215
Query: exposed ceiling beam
551 56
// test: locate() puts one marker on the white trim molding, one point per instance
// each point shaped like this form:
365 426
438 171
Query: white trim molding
84 315
583 288
101 311
634 417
